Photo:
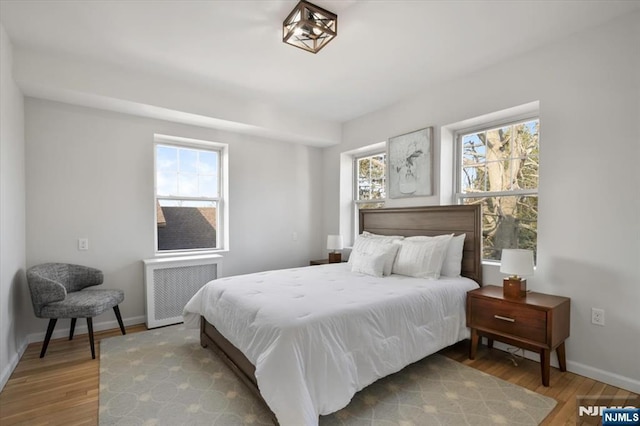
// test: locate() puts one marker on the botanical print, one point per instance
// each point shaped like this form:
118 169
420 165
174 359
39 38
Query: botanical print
410 164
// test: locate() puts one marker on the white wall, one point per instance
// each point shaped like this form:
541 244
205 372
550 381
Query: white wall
80 81
12 213
90 174
588 87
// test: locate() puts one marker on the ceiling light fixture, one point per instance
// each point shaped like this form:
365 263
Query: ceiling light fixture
309 27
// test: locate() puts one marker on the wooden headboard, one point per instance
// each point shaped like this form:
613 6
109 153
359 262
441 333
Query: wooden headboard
430 221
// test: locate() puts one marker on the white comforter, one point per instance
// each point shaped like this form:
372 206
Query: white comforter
319 334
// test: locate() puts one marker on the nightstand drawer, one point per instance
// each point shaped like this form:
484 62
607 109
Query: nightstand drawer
510 318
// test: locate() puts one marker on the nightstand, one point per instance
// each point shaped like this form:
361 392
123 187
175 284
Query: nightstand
538 322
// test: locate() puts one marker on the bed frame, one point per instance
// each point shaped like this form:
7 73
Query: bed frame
408 221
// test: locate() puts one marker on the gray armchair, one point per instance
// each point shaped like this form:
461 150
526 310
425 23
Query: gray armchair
58 291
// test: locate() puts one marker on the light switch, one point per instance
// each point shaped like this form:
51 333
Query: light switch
83 244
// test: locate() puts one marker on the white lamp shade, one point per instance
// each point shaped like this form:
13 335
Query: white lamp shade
517 262
334 242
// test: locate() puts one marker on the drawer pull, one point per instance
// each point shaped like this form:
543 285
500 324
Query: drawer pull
500 317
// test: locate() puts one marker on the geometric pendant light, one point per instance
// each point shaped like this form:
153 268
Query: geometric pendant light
309 27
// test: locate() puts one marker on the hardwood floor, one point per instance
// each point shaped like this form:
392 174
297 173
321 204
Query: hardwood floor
60 389
63 387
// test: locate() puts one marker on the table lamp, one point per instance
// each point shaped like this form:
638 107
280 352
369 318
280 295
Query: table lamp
334 243
516 262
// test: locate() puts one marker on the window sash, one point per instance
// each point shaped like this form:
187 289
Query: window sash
357 202
482 194
486 127
521 231
178 198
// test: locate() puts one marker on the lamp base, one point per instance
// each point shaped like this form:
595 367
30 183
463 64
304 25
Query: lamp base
335 257
514 288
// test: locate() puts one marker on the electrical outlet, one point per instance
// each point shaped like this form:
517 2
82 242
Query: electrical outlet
83 244
597 316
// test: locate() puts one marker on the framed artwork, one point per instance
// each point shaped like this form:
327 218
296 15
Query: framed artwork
410 164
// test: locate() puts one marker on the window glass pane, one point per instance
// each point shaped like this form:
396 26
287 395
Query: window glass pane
208 186
528 173
473 149
188 184
526 139
498 175
364 181
474 179
498 142
185 225
508 222
528 152
208 163
167 183
377 166
167 159
188 160
377 189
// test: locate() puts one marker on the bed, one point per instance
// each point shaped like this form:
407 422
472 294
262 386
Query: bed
305 358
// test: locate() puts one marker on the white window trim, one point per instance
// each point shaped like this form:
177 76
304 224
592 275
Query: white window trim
222 232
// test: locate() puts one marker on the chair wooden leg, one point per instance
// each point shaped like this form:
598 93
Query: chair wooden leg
52 325
116 309
90 327
73 327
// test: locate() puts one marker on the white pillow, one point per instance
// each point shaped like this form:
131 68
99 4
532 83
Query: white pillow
452 265
366 247
374 263
421 257
367 234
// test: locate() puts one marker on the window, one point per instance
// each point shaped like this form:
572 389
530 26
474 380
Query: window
188 195
370 181
498 168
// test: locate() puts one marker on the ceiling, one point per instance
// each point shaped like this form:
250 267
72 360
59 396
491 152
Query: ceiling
384 52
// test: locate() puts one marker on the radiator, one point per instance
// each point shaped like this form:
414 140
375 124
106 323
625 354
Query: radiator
170 282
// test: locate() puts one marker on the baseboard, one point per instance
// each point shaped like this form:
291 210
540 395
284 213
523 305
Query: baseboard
81 328
607 377
603 376
13 363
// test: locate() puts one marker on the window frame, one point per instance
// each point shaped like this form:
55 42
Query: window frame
458 195
355 202
359 157
222 208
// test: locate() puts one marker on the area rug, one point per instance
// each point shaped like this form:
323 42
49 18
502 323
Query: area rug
164 377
